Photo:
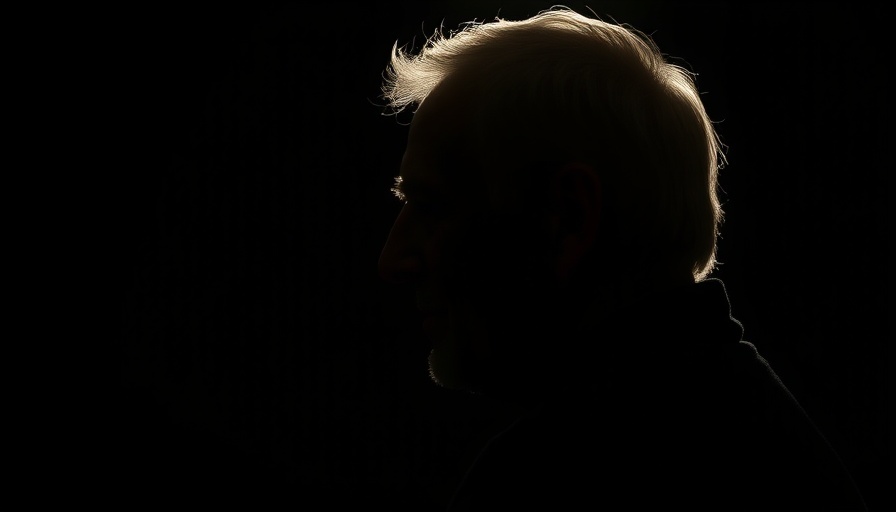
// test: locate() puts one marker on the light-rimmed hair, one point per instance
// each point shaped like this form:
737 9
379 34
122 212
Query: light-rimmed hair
561 87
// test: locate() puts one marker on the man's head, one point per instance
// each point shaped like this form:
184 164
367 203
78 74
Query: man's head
551 162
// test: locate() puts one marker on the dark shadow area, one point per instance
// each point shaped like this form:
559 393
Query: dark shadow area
263 360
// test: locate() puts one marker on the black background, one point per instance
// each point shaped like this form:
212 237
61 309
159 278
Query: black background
260 355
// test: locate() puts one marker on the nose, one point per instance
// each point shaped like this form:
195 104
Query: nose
400 260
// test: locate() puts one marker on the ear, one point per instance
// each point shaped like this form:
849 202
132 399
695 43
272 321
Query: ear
577 207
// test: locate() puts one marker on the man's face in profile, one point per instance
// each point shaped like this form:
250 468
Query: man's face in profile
474 273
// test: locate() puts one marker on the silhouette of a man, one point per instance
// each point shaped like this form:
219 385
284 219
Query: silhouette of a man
559 226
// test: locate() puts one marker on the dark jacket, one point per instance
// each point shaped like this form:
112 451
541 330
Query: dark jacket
667 409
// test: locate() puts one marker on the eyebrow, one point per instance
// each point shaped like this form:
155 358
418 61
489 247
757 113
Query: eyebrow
399 188
403 188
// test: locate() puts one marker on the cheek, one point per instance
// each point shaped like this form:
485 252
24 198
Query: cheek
490 261
439 251
450 247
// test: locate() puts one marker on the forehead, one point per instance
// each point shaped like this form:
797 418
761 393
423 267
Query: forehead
441 151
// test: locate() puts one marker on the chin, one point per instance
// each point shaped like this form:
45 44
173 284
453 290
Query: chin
467 367
452 367
443 368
